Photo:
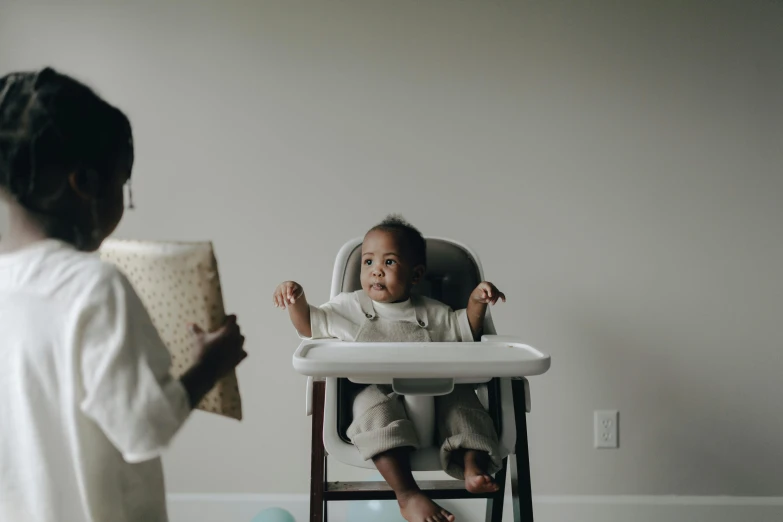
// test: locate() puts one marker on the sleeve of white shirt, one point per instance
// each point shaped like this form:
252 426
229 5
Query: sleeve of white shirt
128 390
463 326
335 319
447 325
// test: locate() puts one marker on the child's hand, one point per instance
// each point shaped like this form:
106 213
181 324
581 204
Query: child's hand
221 350
486 293
287 293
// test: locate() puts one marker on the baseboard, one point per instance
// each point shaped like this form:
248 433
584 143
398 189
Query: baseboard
242 508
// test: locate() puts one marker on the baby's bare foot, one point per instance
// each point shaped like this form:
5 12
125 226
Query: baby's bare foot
417 507
480 484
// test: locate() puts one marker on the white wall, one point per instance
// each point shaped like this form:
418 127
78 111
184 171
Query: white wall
617 166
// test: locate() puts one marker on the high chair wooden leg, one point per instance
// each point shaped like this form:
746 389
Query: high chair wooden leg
495 504
520 463
318 508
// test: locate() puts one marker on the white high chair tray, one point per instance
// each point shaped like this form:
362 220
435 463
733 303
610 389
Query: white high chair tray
379 362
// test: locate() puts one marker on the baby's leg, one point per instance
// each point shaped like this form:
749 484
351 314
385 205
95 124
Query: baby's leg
381 431
475 465
380 423
470 444
415 506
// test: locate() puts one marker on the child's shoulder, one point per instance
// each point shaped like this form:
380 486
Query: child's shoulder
345 299
86 273
57 271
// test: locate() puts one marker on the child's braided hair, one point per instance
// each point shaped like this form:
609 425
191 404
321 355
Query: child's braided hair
51 126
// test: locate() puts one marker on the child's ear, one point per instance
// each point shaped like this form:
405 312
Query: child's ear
85 183
418 274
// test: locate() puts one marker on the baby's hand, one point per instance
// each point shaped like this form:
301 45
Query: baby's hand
486 293
287 293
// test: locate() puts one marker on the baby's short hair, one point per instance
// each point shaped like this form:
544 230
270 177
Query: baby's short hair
413 241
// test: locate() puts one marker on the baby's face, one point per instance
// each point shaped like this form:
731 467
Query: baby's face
387 276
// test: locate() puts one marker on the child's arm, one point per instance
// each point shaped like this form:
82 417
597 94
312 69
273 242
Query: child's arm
484 294
291 295
126 386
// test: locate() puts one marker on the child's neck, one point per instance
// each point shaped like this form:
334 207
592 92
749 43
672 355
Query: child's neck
398 301
21 232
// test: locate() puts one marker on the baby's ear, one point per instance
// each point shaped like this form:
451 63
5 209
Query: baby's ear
418 274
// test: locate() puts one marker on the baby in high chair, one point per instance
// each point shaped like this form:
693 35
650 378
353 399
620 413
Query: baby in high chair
393 261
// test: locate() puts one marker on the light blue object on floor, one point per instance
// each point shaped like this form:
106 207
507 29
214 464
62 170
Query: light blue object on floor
274 514
374 511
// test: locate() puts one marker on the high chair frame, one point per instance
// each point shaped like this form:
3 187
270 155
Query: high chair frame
511 394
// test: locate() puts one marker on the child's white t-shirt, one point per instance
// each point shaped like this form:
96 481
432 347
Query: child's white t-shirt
86 400
342 318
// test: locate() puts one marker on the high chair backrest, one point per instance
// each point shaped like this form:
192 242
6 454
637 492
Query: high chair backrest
453 271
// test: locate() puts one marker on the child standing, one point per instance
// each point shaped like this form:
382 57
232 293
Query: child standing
87 403
393 261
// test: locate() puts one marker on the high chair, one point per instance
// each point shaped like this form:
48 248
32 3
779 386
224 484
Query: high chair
336 370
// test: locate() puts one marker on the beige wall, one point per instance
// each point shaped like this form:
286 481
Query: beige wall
3 219
618 168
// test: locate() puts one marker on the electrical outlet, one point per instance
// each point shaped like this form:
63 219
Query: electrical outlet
606 429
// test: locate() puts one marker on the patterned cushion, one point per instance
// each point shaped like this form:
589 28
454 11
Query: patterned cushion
178 284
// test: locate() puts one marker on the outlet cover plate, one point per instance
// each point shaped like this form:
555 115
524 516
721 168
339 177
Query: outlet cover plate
606 429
